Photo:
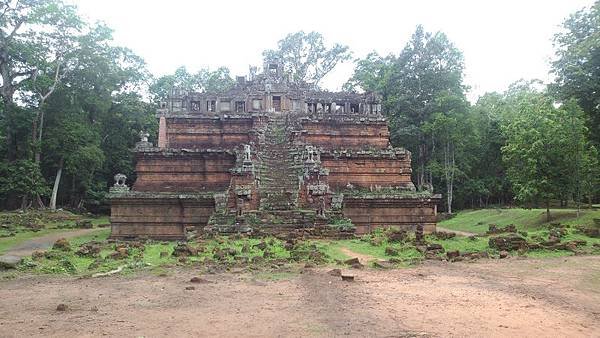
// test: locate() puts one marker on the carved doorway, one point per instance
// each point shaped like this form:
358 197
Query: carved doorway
277 103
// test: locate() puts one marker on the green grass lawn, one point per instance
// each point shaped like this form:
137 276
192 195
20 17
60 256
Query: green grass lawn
8 242
51 225
477 221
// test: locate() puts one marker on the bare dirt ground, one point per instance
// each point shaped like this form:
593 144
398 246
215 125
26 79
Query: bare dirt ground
525 298
457 232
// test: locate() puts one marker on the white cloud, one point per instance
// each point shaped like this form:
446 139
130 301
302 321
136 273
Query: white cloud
502 41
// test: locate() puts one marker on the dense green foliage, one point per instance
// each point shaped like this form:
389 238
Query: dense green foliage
72 106
530 145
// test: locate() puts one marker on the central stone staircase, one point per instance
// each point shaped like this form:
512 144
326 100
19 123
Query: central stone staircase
278 172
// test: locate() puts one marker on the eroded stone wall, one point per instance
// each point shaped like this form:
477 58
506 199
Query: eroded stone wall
340 134
158 216
166 171
371 213
202 133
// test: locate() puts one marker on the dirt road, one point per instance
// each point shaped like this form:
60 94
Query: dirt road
44 242
534 298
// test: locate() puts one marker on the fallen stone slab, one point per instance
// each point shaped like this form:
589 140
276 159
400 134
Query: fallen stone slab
347 278
352 261
383 265
9 261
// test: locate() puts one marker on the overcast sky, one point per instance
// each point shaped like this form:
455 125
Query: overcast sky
502 40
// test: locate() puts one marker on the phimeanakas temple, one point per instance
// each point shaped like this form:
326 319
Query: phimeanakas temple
270 156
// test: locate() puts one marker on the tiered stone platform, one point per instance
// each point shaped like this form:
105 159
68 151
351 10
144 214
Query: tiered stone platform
270 156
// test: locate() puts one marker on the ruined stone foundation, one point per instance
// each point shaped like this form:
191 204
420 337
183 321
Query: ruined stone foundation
270 156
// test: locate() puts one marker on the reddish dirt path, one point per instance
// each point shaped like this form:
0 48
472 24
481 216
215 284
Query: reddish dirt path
498 298
457 232
362 258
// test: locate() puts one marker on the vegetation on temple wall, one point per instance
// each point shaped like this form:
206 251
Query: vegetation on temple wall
72 106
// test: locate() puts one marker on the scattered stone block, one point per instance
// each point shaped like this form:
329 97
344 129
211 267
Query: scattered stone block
335 272
509 242
9 261
347 277
91 249
84 224
352 261
121 252
495 229
383 264
184 249
38 254
390 251
453 255
397 235
62 244
357 266
435 247
503 254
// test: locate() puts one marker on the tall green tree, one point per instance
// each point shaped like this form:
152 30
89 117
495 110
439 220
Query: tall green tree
36 38
371 74
306 57
577 65
544 147
204 80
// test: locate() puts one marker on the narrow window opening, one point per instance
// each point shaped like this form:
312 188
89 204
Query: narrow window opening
240 106
211 106
277 103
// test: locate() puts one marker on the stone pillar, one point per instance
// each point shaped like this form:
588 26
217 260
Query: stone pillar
162 133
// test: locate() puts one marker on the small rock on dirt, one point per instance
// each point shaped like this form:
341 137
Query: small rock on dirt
357 266
190 288
62 307
347 278
383 265
453 254
352 261
335 272
199 280
503 254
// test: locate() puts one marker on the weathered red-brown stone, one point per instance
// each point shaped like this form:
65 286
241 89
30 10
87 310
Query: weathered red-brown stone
225 160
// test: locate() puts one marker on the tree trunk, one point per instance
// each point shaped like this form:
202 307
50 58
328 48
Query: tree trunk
547 210
56 184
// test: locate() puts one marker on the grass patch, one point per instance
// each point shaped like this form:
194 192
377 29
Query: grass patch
8 242
463 244
477 221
